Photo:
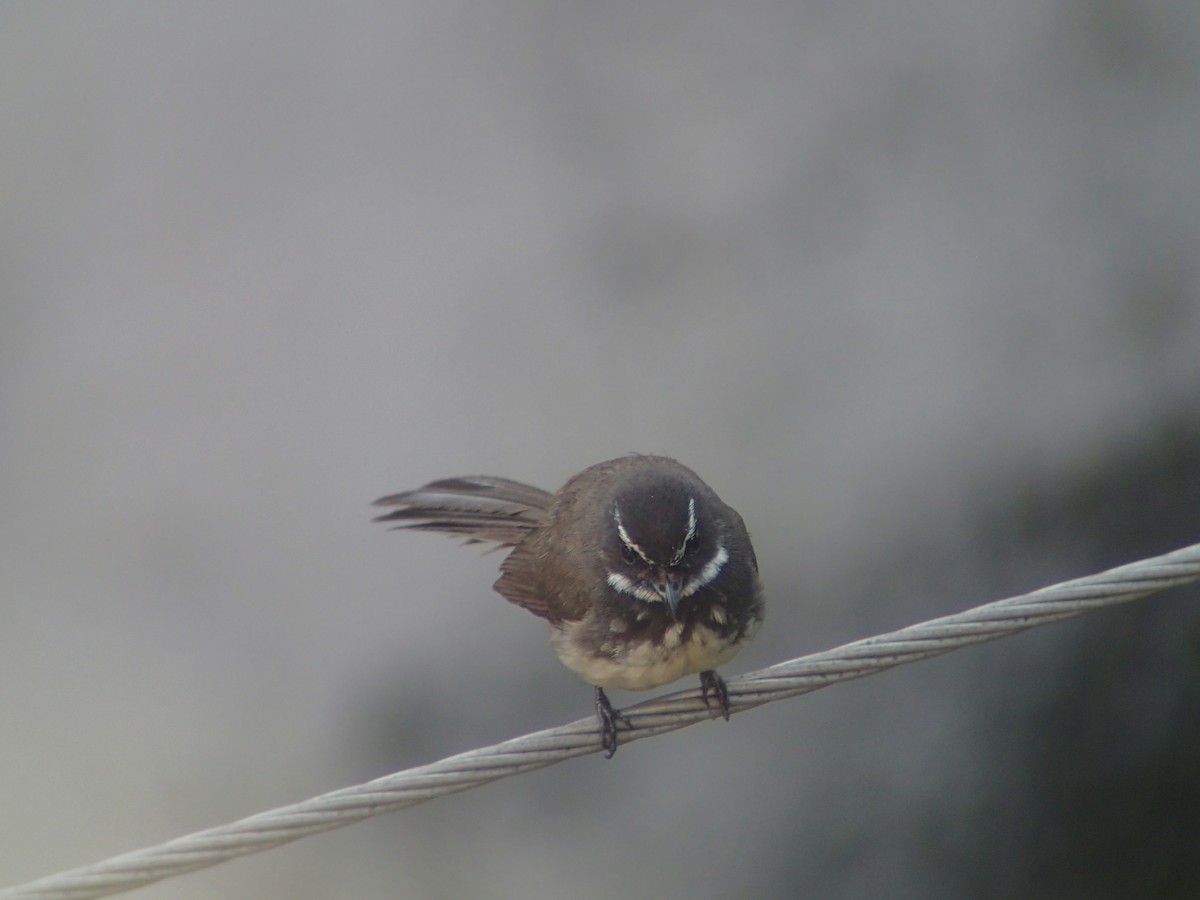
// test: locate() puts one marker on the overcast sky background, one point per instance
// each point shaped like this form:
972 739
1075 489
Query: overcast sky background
859 265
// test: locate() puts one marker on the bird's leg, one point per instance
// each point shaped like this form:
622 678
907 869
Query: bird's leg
710 681
608 723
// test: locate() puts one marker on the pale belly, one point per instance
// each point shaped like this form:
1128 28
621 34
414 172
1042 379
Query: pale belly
641 665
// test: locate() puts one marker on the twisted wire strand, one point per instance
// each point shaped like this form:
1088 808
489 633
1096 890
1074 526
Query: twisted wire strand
667 713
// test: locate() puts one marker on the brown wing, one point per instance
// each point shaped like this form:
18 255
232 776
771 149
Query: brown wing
477 508
550 572
518 582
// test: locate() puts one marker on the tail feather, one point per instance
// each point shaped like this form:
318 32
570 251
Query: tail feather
477 508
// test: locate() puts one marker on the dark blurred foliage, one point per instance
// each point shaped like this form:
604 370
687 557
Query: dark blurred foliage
1087 783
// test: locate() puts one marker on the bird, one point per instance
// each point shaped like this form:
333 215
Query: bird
642 572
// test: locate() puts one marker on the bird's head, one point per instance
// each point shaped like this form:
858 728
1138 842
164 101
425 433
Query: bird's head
663 542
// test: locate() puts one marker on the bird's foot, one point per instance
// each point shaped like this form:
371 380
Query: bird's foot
608 723
711 682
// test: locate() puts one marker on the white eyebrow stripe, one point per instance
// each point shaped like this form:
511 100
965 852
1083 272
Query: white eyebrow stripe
691 532
624 585
710 571
627 541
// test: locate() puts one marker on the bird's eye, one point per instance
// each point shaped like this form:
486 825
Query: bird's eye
692 546
627 554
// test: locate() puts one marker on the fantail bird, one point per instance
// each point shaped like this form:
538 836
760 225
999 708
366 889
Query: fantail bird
643 573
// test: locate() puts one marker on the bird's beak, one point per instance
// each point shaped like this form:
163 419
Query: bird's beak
669 589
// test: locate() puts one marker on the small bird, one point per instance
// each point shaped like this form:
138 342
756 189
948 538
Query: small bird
643 573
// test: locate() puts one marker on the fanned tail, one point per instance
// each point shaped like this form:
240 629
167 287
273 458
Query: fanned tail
477 508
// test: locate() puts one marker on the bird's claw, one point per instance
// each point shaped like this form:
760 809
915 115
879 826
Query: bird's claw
609 718
711 682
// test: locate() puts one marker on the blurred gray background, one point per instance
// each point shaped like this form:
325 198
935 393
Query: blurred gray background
914 286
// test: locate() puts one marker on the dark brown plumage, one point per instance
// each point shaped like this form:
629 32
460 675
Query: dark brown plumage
643 573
